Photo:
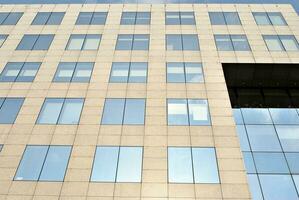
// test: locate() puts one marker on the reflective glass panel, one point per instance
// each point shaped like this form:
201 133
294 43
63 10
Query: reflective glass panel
84 18
244 143
83 72
276 18
273 43
99 18
124 42
27 42
11 71
190 42
240 43
198 112
249 163
50 111
113 111
64 72
232 18
134 111
174 42
75 42
28 72
256 116
217 18
187 18
177 112
43 42
289 137
172 18
71 111
138 72
119 72
2 39
268 163
284 116
140 42
175 72
254 187
10 109
293 162
223 43
128 18
91 42
238 116
261 18
143 18
289 42
194 73
12 18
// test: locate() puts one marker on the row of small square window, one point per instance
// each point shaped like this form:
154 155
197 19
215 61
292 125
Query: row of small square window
144 18
121 72
117 111
118 164
175 42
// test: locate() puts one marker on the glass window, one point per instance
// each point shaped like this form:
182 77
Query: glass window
261 18
124 42
249 163
9 109
224 18
60 111
296 179
35 42
1 147
278 187
188 112
223 43
135 72
238 116
190 42
276 18
273 43
117 164
232 43
140 42
244 143
268 163
84 42
19 72
132 42
174 42
135 18
263 138
240 42
254 187
284 116
124 111
44 163
73 72
180 18
92 18
177 42
289 42
192 165
178 72
289 137
10 18
293 162
256 116
217 18
2 39
48 18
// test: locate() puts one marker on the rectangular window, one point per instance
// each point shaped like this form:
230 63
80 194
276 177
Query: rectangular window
224 18
60 111
73 72
48 18
132 42
188 112
91 18
19 72
2 39
84 42
179 42
135 18
179 18
43 163
281 42
179 72
124 111
192 165
9 109
35 42
117 164
10 18
128 72
232 43
270 18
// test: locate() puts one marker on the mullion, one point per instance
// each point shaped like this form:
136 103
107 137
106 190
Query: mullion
282 43
48 18
231 41
2 103
135 18
43 162
19 72
185 75
116 171
187 101
269 18
224 18
5 18
58 118
124 111
33 46
180 18
191 150
91 18
71 80
182 43
84 41
129 72
133 39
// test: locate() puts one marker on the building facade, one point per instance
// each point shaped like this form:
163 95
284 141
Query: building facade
149 101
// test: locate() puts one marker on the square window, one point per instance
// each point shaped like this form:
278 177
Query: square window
9 109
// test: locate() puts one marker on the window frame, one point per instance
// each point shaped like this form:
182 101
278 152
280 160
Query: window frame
136 18
224 18
180 14
85 38
270 22
184 73
4 37
50 15
21 69
278 38
8 14
181 38
132 42
232 44
37 39
129 72
4 99
92 18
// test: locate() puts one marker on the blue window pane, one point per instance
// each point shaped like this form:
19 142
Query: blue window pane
31 163
128 18
41 18
175 72
177 112
113 111
55 164
289 42
276 18
194 73
83 72
296 179
254 187
3 17
180 165
134 111
278 187
240 43
232 18
198 112
238 116
27 42
172 18
223 43
105 164
75 42
261 18
10 109
217 18
174 42
99 18
84 18
124 42
270 163
28 72
50 111
143 18
43 42
256 116
11 71
205 165
129 164
55 18
64 72
2 39
289 137
249 163
71 111
190 42
141 42
284 116
293 162
263 138
244 143
187 18
138 72
273 43
91 42
12 18
1 147
119 72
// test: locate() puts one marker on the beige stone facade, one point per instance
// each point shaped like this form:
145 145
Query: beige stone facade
155 136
